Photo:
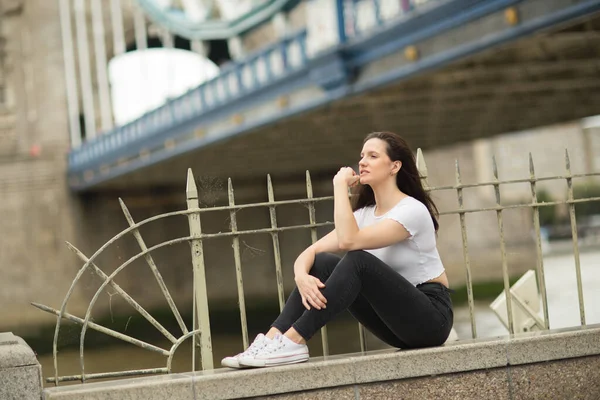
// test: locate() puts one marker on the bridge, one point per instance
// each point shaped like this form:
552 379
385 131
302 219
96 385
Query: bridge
438 72
290 86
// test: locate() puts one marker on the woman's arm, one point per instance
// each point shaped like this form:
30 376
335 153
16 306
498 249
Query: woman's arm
328 243
308 285
349 236
346 227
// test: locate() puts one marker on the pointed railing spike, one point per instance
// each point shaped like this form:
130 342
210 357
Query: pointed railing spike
128 216
191 190
495 167
531 166
157 275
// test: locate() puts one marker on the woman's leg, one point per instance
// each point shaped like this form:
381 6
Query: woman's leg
364 313
415 318
293 309
322 268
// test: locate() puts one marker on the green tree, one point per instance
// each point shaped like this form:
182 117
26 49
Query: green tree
547 213
586 190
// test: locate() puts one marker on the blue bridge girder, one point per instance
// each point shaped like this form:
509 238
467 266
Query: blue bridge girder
455 70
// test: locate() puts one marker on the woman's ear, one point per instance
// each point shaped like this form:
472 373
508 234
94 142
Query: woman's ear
397 166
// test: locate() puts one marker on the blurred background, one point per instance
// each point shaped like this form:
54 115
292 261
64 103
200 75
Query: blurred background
102 100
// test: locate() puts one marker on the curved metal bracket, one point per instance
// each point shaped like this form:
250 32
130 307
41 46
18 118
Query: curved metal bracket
215 29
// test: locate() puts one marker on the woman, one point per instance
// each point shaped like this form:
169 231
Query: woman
391 279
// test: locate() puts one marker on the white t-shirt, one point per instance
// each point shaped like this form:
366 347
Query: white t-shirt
415 258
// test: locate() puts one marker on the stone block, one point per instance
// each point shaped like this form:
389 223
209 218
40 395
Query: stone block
20 371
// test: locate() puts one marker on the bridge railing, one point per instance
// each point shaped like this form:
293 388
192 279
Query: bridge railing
107 145
200 330
234 81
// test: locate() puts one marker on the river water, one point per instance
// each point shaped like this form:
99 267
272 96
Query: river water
563 307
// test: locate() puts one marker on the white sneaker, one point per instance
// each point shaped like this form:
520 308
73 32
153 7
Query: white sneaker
280 351
259 343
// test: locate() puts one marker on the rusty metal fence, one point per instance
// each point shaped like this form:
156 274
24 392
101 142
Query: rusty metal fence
200 331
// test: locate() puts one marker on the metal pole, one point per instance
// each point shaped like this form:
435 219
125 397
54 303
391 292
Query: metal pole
141 44
275 239
84 70
341 21
70 76
465 243
238 266
540 256
139 25
199 47
575 237
101 65
313 238
509 310
200 294
117 27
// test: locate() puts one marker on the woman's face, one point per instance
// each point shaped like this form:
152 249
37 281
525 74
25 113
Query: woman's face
375 165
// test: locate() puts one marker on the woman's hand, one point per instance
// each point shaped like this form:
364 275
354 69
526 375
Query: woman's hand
346 176
309 286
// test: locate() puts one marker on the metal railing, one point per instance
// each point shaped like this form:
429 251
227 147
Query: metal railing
365 15
200 331
233 81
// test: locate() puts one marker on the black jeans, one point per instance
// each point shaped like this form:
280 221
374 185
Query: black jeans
388 305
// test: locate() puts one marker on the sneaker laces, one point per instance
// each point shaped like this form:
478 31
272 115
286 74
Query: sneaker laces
275 345
258 344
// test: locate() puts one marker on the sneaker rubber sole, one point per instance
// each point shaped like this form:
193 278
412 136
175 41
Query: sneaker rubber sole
272 362
231 362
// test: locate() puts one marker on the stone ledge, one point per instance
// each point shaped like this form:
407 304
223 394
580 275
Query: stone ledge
335 371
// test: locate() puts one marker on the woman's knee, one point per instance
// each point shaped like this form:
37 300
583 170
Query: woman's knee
324 264
357 257
355 260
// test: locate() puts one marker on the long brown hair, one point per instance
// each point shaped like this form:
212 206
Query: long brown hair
408 178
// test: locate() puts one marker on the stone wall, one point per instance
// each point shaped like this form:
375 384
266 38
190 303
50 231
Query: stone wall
558 364
37 211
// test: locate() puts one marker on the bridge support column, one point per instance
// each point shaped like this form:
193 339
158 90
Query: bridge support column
326 25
